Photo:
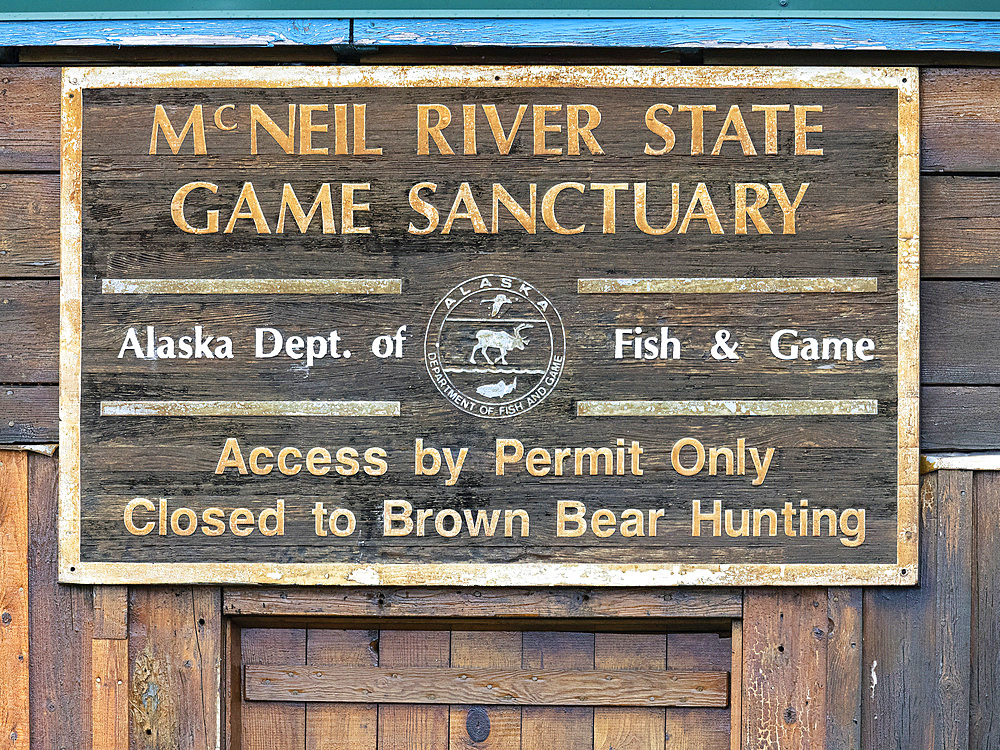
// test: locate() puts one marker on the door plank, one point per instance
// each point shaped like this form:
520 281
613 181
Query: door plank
573 726
498 649
273 726
698 728
341 726
629 728
412 727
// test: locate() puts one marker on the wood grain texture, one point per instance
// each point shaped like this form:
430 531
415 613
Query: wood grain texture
574 726
111 612
14 643
629 728
29 119
29 414
955 318
959 219
29 226
156 32
984 710
736 688
413 727
572 603
917 641
960 119
29 331
341 727
485 685
701 728
843 669
698 33
175 661
110 690
960 418
496 649
784 678
272 726
61 621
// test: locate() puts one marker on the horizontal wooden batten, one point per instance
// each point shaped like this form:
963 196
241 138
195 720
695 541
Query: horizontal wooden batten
499 687
512 603
249 408
252 286
734 408
719 285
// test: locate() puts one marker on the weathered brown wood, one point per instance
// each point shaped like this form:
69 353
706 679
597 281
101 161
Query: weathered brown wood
403 727
272 726
14 709
175 658
482 602
29 331
29 414
540 725
736 688
110 686
29 119
29 225
984 710
843 669
496 649
61 621
959 418
959 219
959 116
956 320
784 668
699 728
917 641
111 612
632 728
341 727
493 686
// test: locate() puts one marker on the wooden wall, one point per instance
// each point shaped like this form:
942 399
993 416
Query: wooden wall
110 667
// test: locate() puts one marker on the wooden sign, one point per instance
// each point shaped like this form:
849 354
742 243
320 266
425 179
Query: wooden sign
490 326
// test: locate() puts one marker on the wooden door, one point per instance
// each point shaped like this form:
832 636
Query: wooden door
554 689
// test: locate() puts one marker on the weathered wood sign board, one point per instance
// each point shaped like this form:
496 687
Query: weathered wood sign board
603 326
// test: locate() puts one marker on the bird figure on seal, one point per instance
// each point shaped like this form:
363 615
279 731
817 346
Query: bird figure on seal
498 302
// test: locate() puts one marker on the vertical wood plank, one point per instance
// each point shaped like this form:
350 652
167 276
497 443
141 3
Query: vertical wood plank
784 662
175 653
843 669
984 712
14 708
736 688
471 648
111 612
917 641
110 686
574 727
629 728
341 726
699 728
404 727
267 725
61 623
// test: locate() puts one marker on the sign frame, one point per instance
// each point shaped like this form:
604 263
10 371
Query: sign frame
903 572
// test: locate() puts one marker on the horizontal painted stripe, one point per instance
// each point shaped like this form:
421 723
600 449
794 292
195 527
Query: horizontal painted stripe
234 32
377 27
721 285
729 408
721 32
249 408
252 286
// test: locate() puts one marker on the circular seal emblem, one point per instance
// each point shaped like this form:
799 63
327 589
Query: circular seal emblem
495 346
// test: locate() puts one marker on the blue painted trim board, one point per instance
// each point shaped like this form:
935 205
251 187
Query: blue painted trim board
968 36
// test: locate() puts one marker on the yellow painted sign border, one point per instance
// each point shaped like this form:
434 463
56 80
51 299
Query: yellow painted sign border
903 572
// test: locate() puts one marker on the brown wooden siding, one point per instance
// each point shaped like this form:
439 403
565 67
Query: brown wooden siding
818 668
